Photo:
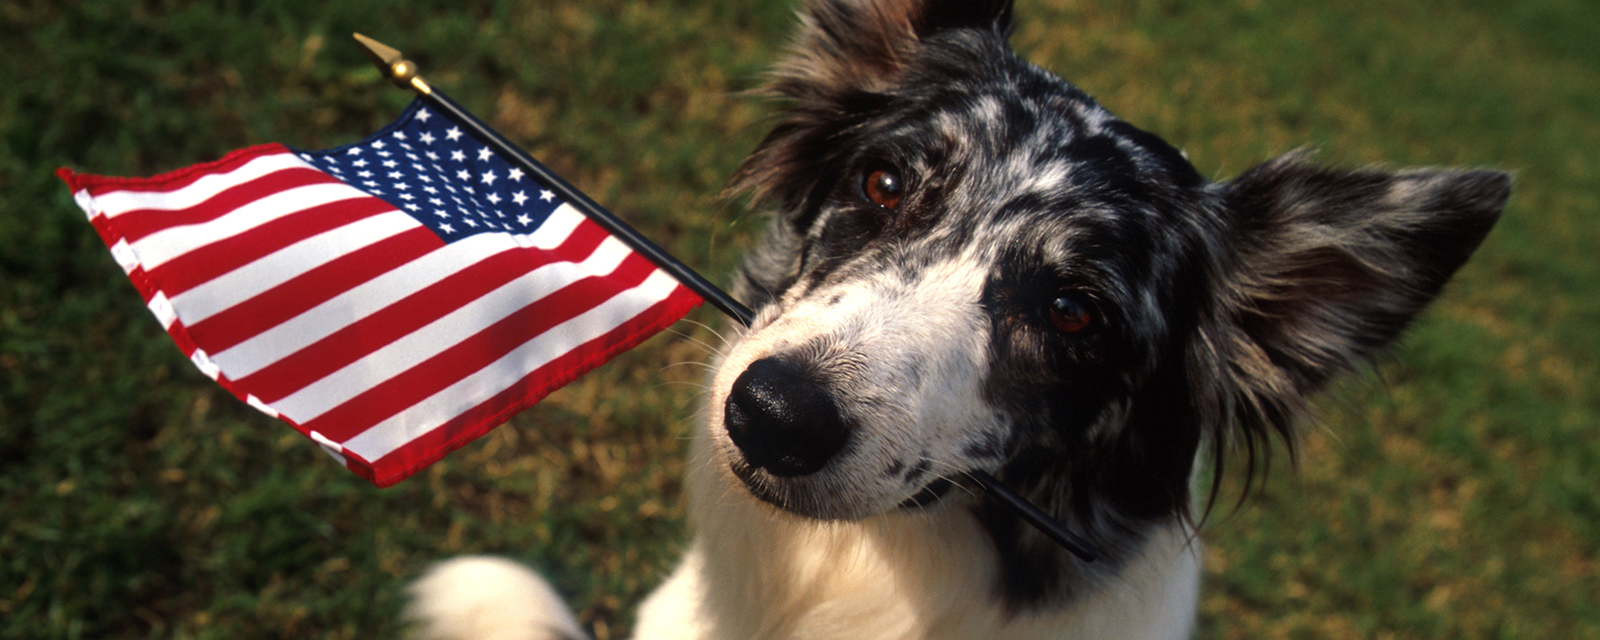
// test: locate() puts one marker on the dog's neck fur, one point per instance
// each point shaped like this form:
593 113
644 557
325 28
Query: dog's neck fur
756 572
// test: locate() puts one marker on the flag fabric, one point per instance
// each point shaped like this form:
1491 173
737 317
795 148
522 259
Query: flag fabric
392 299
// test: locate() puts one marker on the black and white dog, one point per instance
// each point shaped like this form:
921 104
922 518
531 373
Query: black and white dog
972 266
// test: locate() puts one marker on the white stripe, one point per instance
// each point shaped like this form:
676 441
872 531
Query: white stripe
123 254
114 203
204 363
162 246
332 448
86 202
162 308
393 433
243 283
361 301
553 231
253 401
357 377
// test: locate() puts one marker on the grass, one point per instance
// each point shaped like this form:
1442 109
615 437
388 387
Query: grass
1449 493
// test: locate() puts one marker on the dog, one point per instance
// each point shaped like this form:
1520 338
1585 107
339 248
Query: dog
971 266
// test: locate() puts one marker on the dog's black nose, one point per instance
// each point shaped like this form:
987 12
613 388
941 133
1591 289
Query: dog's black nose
783 420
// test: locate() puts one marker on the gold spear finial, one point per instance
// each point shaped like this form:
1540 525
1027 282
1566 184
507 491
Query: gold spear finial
393 65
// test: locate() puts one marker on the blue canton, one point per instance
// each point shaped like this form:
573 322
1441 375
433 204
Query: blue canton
426 165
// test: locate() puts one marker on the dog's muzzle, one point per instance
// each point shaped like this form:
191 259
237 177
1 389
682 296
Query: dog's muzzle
782 420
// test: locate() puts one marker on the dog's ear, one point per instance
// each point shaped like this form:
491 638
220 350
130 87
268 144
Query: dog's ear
863 45
847 54
1328 266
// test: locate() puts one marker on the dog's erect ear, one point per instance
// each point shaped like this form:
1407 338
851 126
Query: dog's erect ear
1328 267
862 45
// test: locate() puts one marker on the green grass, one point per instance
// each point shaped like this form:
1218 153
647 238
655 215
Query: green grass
1448 494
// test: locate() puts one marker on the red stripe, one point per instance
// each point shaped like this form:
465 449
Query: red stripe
139 223
296 296
395 394
172 180
204 263
429 447
295 371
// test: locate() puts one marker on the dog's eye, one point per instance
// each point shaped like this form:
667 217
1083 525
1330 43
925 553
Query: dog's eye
1071 313
883 187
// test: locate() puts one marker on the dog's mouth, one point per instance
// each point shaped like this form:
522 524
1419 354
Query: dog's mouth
815 498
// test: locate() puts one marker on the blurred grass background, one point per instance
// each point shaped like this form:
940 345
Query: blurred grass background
1450 493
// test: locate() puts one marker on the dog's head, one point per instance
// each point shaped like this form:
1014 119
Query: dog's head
974 266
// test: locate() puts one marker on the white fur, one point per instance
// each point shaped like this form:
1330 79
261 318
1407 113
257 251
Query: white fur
754 572
487 598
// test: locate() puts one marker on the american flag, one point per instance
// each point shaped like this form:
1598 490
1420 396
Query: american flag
392 299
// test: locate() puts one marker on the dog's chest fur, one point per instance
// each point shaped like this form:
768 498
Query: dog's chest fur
908 576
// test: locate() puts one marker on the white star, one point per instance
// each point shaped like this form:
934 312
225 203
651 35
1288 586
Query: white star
390 164
485 154
464 174
401 186
458 155
547 196
519 197
436 202
515 175
433 156
400 135
488 178
470 222
427 137
359 163
406 196
447 228
364 174
396 175
425 179
494 198
412 206
354 152
378 145
441 213
524 220
430 189
423 115
453 133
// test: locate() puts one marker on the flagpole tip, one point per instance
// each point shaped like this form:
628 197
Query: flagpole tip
394 66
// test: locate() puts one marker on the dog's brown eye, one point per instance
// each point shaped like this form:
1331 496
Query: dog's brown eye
1071 314
884 188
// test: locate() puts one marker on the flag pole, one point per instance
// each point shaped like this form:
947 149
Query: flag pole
404 73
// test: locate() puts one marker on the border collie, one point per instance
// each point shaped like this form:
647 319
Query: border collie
973 267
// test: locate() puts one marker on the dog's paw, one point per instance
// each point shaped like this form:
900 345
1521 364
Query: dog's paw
484 598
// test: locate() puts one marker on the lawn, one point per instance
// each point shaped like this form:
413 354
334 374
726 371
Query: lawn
1447 493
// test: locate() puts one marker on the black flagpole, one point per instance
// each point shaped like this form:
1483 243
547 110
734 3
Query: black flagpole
404 74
